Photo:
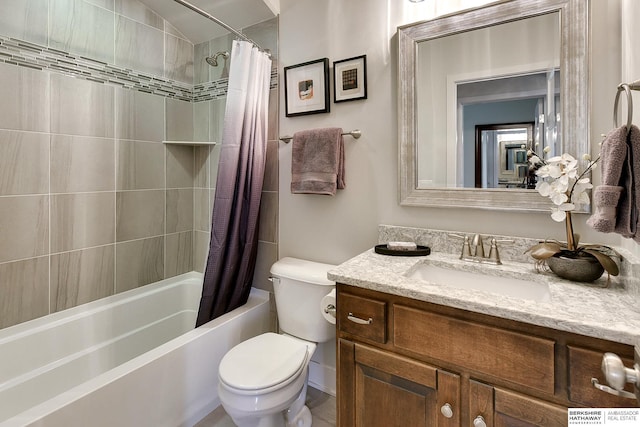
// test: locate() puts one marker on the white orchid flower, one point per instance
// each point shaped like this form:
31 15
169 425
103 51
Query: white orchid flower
559 214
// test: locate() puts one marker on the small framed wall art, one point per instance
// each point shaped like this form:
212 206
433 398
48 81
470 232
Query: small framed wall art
306 88
350 79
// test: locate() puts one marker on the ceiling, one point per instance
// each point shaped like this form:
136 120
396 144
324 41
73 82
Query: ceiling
236 13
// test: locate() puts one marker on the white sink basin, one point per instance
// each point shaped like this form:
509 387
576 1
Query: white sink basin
507 286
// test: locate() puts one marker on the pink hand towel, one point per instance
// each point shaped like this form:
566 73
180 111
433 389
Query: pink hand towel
317 164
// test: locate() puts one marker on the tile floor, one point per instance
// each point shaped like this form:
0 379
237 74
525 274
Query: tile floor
322 406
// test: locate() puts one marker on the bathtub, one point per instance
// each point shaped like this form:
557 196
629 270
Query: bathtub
133 359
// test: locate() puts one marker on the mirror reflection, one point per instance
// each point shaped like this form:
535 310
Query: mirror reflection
502 74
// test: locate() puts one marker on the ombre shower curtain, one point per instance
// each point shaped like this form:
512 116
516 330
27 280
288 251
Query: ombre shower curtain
234 225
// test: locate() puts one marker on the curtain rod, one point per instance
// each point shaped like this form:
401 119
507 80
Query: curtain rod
219 22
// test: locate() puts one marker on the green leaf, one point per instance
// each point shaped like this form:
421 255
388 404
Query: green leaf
606 261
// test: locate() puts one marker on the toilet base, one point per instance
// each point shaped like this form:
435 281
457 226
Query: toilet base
292 413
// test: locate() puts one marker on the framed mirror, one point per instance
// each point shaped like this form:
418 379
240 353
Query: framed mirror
518 61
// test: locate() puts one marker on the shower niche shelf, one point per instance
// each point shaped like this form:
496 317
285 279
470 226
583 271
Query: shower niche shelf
194 143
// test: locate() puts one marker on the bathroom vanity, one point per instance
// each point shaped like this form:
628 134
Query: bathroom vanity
416 353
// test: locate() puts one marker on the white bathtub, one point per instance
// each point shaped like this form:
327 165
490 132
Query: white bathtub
133 359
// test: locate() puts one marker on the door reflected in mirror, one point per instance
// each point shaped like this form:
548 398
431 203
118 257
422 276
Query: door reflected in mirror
506 73
501 156
531 101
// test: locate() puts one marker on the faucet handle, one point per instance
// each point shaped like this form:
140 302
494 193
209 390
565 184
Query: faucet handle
494 254
466 245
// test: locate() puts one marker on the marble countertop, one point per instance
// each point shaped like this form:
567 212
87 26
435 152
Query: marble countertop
610 313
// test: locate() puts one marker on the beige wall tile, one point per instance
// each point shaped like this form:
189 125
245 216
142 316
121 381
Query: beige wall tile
138 11
201 166
140 165
200 250
25 20
24 227
139 46
79 27
201 210
214 159
178 59
82 164
216 119
268 230
139 214
179 210
273 116
139 262
179 120
180 166
139 116
201 121
82 220
26 99
82 276
81 107
24 163
25 290
178 253
200 66
267 255
271 167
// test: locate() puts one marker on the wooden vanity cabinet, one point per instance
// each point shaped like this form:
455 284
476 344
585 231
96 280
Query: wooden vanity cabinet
403 362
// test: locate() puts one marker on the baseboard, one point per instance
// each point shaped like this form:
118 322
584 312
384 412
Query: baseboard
322 377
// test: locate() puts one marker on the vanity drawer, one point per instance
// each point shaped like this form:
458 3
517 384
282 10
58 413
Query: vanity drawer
585 364
518 358
364 317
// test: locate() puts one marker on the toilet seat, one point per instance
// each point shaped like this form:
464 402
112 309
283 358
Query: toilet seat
263 363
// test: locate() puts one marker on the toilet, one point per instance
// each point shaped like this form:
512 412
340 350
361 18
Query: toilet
263 381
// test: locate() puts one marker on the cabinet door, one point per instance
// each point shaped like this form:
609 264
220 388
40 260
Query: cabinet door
517 410
494 407
383 389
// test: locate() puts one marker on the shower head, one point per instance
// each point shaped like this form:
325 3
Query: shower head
213 60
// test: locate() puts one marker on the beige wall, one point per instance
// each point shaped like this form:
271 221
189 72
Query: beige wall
333 229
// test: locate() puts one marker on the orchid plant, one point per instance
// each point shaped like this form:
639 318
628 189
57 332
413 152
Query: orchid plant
567 188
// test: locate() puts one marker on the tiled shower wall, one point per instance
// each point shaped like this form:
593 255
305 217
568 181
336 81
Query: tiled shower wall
91 202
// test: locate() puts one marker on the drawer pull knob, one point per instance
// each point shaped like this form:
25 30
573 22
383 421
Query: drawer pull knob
479 421
610 390
446 410
358 320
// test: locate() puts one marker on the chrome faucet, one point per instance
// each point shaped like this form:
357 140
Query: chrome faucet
473 250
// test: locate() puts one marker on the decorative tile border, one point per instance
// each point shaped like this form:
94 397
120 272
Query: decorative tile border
31 55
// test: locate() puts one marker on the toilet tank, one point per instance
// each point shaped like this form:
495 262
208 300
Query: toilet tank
299 285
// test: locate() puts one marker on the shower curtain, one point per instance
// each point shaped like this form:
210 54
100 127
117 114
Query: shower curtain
234 226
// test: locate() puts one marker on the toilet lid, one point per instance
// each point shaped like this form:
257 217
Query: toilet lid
263 361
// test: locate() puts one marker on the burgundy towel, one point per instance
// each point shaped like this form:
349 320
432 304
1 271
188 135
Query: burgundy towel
317 163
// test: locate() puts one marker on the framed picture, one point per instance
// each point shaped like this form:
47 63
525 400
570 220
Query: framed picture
306 88
350 79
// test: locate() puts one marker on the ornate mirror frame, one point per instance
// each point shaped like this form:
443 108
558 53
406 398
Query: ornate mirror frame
574 75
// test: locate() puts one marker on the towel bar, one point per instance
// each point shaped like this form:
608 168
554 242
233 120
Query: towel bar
356 133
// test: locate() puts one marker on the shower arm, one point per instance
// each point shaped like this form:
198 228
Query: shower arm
219 22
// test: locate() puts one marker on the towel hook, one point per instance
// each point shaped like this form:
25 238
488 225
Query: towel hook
623 87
